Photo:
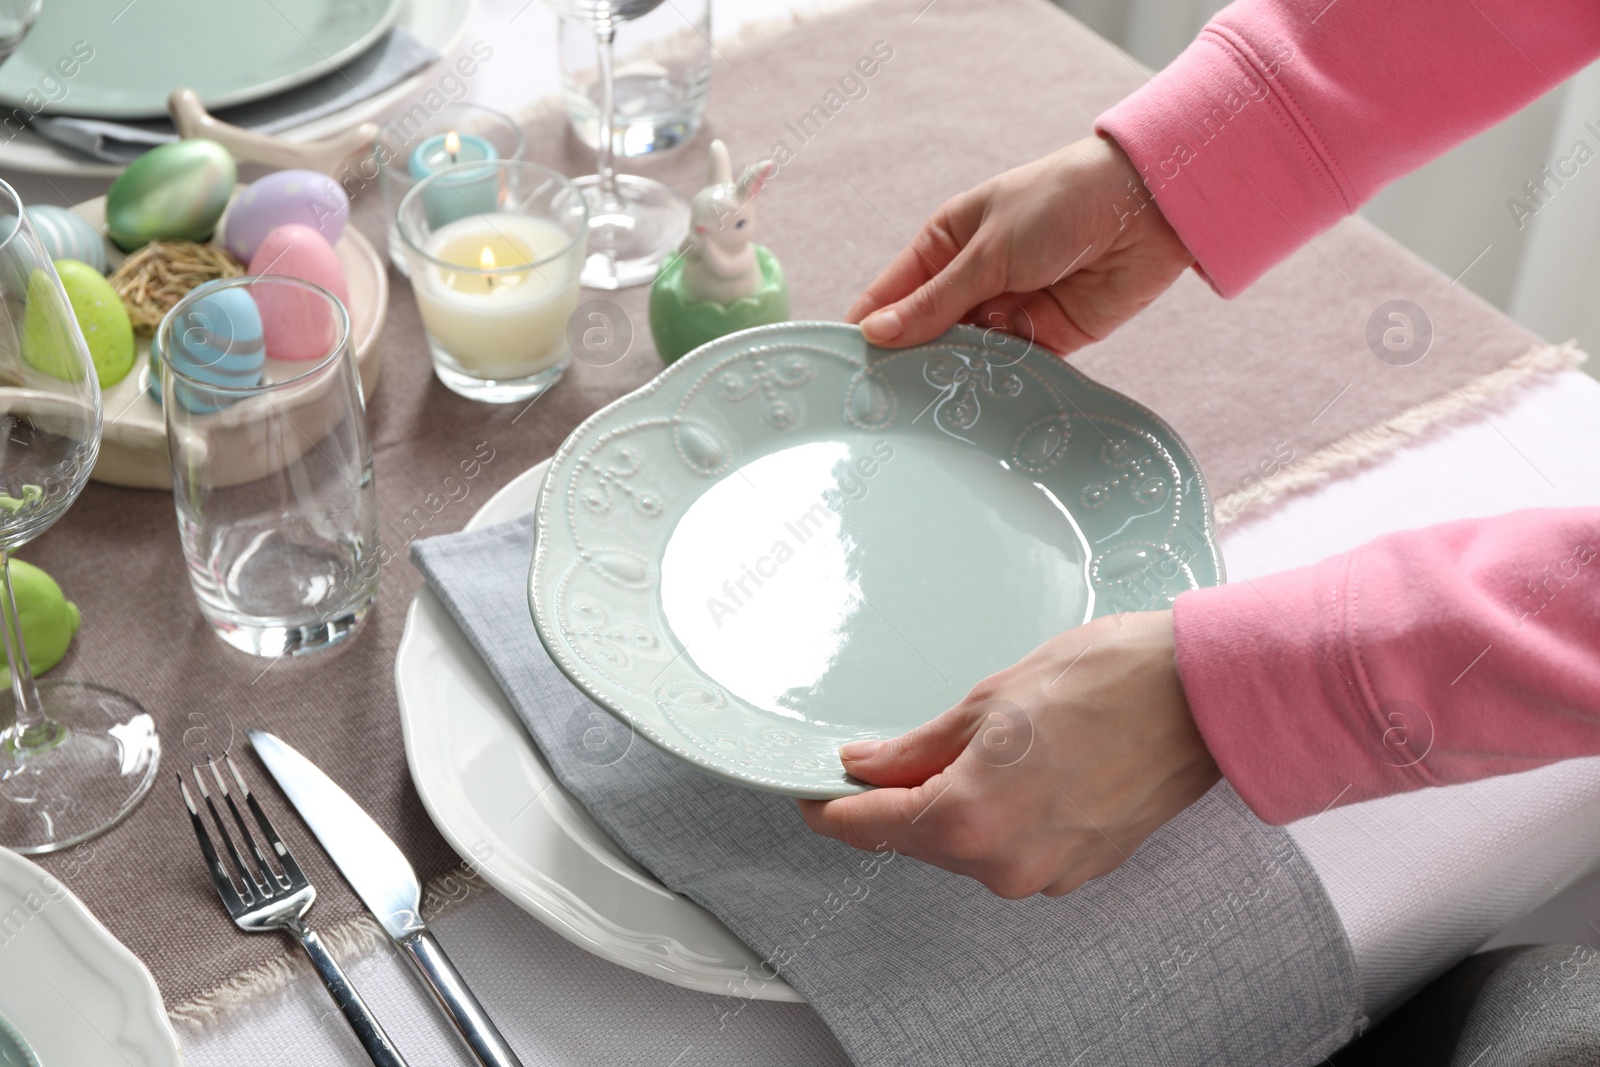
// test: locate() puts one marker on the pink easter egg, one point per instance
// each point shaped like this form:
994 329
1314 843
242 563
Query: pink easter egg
295 323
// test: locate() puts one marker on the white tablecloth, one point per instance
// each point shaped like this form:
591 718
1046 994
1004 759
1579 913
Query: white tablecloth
1419 880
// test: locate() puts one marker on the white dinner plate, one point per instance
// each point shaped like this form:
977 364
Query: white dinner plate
491 794
439 23
73 991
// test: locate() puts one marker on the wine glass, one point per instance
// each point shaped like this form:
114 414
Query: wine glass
75 758
634 223
16 19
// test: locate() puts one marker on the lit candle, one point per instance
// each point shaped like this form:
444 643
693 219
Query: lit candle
472 192
494 321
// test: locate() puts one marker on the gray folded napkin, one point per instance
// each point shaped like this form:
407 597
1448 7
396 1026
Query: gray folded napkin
1214 944
395 57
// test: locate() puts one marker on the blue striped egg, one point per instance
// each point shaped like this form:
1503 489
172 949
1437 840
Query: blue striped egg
66 234
218 340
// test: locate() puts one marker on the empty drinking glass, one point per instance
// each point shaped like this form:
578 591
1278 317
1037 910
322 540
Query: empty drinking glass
271 463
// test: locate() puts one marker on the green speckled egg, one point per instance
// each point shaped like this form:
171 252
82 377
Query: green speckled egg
49 330
102 318
49 620
175 192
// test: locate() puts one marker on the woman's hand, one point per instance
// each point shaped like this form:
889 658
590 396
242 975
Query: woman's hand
1048 774
1061 251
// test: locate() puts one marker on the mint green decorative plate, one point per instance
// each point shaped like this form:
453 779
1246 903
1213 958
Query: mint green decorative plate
116 59
791 538
14 1051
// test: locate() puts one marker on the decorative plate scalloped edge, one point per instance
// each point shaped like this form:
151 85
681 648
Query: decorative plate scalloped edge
769 379
81 992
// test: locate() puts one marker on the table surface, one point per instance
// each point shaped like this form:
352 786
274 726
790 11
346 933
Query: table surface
1418 880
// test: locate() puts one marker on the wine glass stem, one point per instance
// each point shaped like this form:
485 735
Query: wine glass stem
31 730
605 41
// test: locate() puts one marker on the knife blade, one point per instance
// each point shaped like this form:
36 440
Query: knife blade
386 883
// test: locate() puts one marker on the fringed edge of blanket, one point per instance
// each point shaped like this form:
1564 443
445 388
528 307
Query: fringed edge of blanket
349 941
1373 443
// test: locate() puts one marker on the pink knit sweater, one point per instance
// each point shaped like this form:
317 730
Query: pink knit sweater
1426 657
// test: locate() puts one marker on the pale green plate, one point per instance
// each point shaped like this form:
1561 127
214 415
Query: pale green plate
14 1051
122 59
791 539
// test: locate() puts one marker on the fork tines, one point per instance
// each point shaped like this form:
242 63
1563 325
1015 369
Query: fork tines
260 881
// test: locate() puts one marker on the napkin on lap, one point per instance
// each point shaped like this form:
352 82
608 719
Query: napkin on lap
1213 944
396 56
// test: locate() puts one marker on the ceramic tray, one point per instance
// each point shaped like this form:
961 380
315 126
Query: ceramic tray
132 55
133 446
72 990
791 539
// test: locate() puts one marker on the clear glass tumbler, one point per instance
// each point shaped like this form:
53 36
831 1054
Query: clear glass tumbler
271 464
416 142
663 72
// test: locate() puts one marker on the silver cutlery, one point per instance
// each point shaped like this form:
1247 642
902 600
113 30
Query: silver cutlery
265 898
386 883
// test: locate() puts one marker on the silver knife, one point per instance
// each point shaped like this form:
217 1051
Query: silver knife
386 884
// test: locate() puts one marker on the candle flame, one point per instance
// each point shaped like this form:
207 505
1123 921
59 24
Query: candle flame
486 258
452 143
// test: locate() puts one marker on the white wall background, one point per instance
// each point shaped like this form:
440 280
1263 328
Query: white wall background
1545 274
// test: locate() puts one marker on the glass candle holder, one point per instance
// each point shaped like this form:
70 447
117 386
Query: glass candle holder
271 464
496 279
417 143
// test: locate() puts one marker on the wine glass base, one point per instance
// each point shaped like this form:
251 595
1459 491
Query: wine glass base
86 776
630 239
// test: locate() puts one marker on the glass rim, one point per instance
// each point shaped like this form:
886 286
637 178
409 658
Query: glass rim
342 318
497 164
7 191
499 117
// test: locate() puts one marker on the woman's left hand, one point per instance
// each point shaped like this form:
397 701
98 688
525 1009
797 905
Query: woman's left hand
1048 774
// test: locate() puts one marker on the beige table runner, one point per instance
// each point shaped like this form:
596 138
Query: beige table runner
966 89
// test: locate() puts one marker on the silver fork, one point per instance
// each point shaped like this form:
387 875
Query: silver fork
269 899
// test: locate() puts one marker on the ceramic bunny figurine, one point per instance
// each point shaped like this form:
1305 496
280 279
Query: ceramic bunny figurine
719 261
720 281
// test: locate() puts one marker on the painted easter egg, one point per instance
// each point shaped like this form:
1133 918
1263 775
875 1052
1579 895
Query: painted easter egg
66 234
288 196
102 318
298 324
218 341
177 191
49 620
50 333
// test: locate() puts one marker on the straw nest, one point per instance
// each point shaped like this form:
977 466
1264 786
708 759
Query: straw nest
158 275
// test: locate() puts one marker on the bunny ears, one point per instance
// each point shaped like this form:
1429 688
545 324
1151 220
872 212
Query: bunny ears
749 183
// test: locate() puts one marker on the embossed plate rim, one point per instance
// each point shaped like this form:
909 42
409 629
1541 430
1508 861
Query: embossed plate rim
549 503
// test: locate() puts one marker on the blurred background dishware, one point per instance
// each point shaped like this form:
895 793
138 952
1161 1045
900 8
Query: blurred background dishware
634 223
283 561
409 148
662 73
496 249
75 758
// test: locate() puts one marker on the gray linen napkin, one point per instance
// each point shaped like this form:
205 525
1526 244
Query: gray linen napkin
1214 944
395 57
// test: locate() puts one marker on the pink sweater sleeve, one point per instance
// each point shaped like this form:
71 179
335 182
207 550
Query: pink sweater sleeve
1427 657
1286 115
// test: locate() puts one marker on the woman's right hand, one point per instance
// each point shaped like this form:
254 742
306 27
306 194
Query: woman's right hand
1061 251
